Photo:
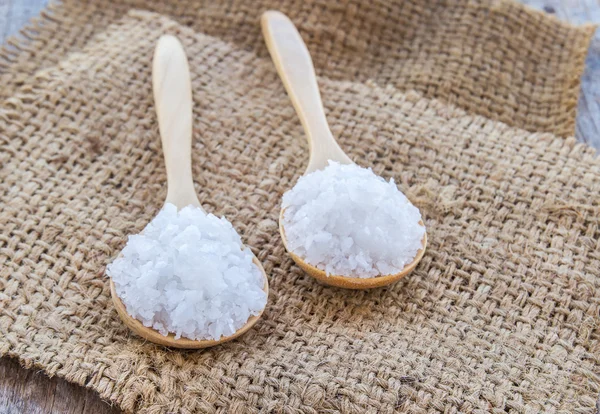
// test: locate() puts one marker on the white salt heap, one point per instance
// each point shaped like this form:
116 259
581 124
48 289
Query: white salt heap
349 222
189 274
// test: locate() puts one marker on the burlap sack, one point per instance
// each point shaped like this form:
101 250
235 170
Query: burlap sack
500 316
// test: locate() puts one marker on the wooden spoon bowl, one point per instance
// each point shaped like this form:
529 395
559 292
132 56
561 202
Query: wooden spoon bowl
352 282
156 337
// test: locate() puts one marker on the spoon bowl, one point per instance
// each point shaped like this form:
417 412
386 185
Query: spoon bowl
352 282
295 67
173 100
156 337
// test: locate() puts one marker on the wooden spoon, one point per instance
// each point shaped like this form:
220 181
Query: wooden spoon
295 67
173 101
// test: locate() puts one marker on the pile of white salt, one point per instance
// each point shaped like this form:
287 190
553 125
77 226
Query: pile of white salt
188 274
349 222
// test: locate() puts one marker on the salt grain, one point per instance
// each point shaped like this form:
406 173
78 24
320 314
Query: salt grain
349 222
188 273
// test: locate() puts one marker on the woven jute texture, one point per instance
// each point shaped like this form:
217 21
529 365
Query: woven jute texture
467 105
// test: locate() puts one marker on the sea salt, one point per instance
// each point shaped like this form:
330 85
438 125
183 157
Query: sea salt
188 274
349 222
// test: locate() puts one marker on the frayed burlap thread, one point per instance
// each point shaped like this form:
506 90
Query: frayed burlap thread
500 316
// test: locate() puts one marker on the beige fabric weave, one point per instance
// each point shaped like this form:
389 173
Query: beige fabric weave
500 316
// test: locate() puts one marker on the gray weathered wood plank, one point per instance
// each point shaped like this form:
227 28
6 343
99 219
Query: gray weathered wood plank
31 391
15 13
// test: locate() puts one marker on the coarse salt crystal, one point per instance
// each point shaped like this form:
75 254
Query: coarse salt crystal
347 221
188 274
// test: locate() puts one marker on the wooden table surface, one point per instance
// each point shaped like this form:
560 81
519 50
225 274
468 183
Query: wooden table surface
30 391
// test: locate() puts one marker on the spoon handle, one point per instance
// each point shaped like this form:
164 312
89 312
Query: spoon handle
295 68
173 101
